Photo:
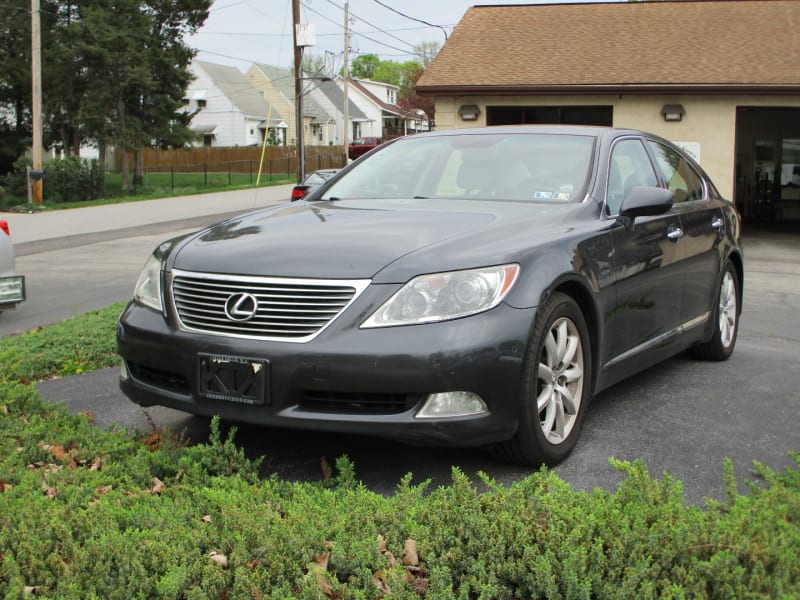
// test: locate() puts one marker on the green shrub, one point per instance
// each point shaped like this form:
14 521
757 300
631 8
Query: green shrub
94 514
86 513
68 179
16 182
73 179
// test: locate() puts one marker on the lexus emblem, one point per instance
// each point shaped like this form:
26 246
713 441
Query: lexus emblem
241 306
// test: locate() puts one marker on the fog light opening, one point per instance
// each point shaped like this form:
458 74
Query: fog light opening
452 404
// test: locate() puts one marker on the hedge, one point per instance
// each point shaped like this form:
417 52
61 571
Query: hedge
86 513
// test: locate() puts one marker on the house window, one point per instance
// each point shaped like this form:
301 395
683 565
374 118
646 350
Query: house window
201 103
563 115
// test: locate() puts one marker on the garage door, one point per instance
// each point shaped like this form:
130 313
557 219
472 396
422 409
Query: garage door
539 115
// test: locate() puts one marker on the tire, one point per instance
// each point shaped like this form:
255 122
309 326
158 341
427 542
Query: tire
554 395
726 319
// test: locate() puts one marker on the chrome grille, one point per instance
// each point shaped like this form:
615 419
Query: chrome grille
294 310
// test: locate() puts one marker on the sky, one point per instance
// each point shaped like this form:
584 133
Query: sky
241 32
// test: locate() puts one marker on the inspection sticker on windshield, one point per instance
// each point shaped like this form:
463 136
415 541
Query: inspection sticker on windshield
551 196
233 379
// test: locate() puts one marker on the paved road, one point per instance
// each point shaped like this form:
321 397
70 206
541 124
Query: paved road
682 417
83 259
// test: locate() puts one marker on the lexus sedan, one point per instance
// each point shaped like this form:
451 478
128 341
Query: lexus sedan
467 288
12 286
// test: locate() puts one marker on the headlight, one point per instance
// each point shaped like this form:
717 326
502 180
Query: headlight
443 296
148 288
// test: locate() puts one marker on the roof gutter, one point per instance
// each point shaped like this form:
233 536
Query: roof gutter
590 89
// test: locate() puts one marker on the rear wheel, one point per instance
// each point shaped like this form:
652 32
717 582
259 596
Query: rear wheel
726 319
556 386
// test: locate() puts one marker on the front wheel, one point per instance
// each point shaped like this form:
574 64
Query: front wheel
556 386
726 319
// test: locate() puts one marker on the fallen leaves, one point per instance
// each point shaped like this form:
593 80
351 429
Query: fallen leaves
318 567
327 471
218 559
158 486
415 574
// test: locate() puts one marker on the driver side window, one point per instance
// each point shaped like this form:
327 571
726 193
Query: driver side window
629 167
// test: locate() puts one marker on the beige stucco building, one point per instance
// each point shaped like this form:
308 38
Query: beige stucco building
722 79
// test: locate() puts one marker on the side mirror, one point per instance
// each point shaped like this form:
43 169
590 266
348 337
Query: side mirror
646 202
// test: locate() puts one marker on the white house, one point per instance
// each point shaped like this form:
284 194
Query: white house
378 101
230 111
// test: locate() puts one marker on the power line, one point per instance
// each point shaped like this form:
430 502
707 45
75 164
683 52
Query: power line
371 24
394 10
361 34
365 36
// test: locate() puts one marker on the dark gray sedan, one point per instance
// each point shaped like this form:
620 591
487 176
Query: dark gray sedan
471 287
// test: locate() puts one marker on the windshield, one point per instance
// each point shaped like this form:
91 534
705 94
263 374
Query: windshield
485 166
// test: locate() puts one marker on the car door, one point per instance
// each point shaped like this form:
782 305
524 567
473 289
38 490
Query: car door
649 277
702 225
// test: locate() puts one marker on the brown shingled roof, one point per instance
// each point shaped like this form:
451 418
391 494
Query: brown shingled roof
645 46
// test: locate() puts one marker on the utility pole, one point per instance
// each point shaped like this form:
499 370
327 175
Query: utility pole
35 176
346 72
298 93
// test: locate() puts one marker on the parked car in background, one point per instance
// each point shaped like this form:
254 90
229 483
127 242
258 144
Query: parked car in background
312 181
360 146
466 288
12 286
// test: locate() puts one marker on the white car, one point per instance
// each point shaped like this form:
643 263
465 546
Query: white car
12 286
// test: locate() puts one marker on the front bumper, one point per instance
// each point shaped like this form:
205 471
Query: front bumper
349 380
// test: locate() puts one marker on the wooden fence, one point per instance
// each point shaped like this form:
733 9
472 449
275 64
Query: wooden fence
238 159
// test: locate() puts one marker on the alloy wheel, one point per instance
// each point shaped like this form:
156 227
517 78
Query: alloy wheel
561 375
727 309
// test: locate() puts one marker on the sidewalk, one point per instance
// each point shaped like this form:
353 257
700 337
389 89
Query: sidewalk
114 219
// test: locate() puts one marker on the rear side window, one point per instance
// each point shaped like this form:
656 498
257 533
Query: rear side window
682 180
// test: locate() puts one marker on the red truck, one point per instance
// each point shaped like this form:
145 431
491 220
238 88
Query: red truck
362 145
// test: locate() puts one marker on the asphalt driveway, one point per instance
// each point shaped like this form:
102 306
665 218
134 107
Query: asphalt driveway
681 417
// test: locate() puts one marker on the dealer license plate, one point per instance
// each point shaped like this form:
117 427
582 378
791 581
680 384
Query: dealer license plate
233 379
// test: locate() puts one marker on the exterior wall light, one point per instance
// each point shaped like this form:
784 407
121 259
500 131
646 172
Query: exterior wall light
469 112
673 112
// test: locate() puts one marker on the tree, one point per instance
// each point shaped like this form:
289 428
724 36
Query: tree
115 70
139 71
426 52
15 75
314 63
412 103
404 75
364 66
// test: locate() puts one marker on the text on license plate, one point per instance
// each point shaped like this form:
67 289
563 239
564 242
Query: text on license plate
233 378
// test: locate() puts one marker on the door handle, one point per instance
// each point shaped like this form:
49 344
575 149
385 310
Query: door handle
716 224
675 233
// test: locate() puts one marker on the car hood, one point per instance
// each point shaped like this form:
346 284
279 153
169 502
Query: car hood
360 239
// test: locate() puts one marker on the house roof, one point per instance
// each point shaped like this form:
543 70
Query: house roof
283 80
385 106
232 82
336 95
735 45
